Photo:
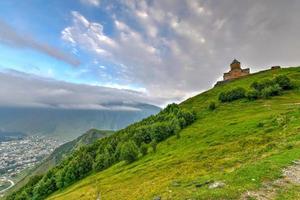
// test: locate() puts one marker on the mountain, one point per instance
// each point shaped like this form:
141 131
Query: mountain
234 141
69 123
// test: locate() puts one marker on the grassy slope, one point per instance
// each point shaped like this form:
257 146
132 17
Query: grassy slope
222 145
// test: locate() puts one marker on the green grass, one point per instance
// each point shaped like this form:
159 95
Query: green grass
241 143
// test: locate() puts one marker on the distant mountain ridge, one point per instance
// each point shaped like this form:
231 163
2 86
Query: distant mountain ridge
7 135
70 123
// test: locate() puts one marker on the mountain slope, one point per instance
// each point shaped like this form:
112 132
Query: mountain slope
238 146
69 123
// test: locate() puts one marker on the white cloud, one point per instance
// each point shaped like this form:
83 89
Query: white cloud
88 35
177 47
12 37
26 90
91 2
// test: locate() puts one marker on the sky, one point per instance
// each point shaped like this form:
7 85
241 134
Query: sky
148 51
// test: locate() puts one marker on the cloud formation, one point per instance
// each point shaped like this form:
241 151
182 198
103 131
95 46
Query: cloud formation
91 2
10 36
26 90
177 47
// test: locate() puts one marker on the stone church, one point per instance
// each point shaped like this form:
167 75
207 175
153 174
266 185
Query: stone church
235 71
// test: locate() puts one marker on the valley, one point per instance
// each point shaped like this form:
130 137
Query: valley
23 154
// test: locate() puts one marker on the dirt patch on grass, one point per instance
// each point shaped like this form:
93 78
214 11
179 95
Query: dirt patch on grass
269 190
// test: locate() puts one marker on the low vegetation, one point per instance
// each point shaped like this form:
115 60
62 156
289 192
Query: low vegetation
231 95
259 89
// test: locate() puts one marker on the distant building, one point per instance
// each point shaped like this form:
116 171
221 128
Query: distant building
235 71
275 67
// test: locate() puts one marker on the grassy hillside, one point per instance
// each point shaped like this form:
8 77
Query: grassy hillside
241 144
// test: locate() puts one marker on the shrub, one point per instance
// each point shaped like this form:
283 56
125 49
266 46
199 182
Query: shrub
260 125
176 127
153 145
284 82
259 86
222 97
144 149
268 88
252 95
129 152
271 91
234 94
212 105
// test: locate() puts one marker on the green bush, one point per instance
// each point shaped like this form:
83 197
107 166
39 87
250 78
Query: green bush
129 152
144 149
260 125
259 86
234 94
212 105
284 82
268 88
271 91
252 95
153 145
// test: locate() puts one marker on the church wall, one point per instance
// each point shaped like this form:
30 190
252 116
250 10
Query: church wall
236 73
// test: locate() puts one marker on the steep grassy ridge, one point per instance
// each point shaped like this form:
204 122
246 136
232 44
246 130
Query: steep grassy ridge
242 144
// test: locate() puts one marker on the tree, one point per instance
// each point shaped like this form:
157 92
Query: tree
176 127
154 145
144 149
129 152
103 160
